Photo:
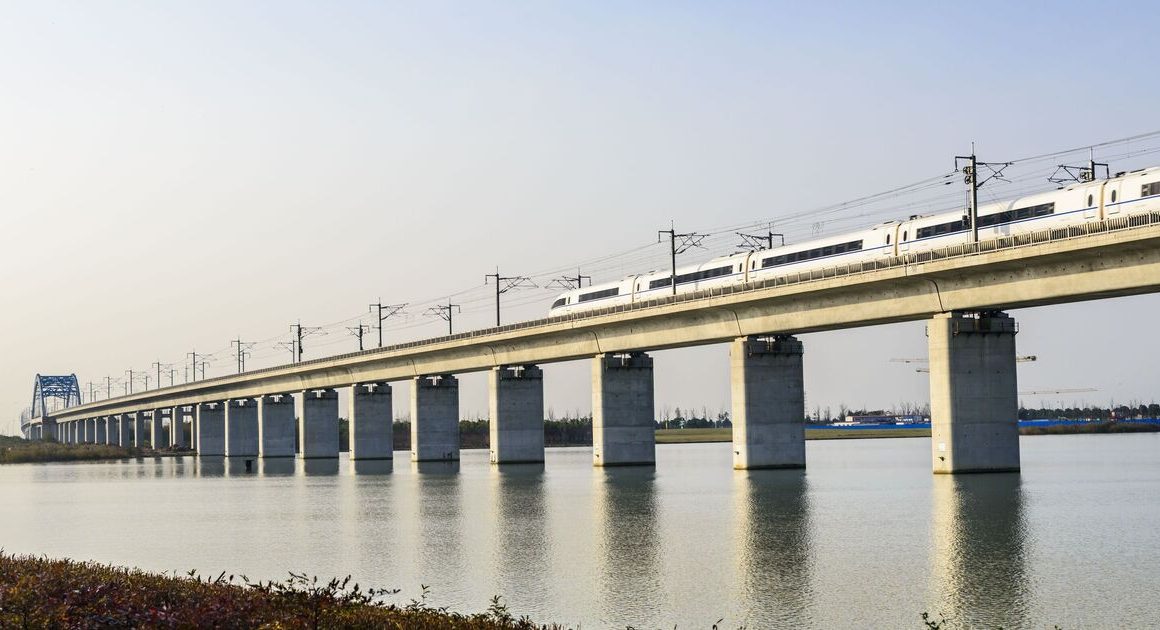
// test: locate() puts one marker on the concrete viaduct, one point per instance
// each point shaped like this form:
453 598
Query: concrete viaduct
961 291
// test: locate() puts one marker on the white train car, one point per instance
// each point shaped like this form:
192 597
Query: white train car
1084 202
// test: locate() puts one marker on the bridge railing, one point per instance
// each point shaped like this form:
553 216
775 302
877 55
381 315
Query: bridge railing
1115 224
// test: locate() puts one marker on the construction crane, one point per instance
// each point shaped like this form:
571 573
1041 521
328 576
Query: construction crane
1023 359
1077 390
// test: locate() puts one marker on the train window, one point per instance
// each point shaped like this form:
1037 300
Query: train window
1089 201
904 235
753 265
596 295
1147 190
840 248
560 302
1113 196
887 239
940 229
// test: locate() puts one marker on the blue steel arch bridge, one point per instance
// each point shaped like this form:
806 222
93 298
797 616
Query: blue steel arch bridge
50 393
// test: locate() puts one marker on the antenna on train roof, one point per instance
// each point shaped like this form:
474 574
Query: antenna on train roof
1065 173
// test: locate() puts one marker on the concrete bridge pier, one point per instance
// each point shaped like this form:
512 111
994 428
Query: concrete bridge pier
76 433
124 429
370 414
768 403
276 426
435 418
974 404
516 408
241 427
91 431
100 430
177 427
318 424
623 419
211 429
113 430
138 418
156 429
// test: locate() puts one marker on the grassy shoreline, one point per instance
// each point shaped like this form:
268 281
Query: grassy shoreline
20 451
37 592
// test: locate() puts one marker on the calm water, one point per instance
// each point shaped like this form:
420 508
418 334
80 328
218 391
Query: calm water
867 537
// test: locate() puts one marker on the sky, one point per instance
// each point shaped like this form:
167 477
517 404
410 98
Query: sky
177 175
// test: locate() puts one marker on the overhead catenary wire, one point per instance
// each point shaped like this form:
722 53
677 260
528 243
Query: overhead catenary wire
929 195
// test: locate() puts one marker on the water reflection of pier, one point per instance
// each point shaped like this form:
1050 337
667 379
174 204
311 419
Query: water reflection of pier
522 539
773 548
627 551
980 553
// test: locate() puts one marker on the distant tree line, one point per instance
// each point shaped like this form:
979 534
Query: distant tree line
1114 412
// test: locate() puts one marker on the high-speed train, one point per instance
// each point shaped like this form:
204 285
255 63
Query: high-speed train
1085 202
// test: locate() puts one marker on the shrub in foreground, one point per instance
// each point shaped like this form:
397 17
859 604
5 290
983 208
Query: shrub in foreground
44 593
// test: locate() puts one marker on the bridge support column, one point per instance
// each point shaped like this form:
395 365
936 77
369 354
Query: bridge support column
318 424
435 418
276 426
126 427
241 427
211 429
113 430
768 403
49 430
974 404
138 428
516 408
370 414
100 430
177 427
623 422
156 430
72 432
91 431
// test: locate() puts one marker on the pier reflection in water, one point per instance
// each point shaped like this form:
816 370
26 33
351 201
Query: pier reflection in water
979 577
772 538
519 530
625 510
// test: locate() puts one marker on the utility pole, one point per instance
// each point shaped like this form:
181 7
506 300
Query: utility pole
444 312
291 345
172 373
358 331
688 241
158 364
391 310
129 384
1065 174
755 242
108 387
300 332
92 392
242 346
570 282
971 179
193 362
503 284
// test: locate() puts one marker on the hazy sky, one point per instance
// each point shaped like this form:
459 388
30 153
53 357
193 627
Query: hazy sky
176 175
